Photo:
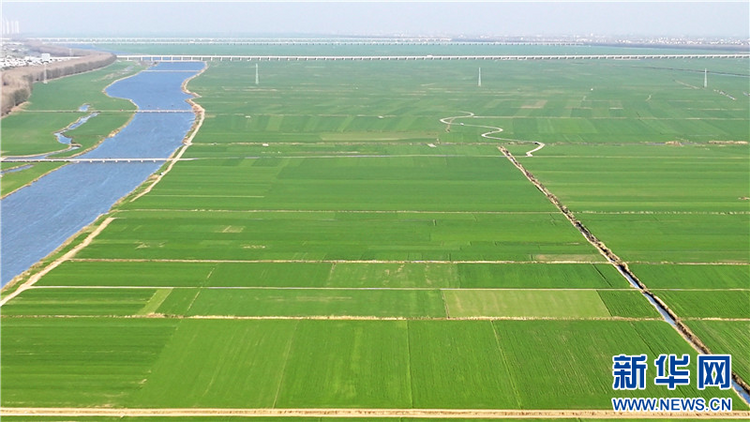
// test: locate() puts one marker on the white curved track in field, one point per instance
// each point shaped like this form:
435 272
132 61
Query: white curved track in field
469 115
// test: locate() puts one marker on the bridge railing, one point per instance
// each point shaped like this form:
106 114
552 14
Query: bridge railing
179 58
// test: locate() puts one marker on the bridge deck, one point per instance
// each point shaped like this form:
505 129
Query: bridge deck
90 160
198 57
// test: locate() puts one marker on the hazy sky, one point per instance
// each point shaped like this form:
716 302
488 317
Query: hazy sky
101 18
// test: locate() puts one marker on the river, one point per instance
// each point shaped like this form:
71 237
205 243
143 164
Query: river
38 218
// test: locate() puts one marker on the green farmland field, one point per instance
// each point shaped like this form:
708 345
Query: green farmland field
694 276
287 302
697 238
691 179
338 274
727 337
390 183
330 243
331 302
319 364
708 304
78 362
525 303
80 302
340 236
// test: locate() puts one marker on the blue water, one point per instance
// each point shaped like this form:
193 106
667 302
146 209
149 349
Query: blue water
62 138
37 219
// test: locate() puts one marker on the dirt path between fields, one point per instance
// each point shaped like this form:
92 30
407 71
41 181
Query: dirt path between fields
70 254
335 317
288 211
330 261
530 153
359 413
448 121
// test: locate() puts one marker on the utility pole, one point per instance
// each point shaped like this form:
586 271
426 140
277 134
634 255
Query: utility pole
45 73
705 78
257 76
479 79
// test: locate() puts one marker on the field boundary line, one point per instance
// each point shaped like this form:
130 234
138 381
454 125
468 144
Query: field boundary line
68 255
200 113
688 263
730 289
327 261
716 319
483 289
334 317
666 212
271 211
359 413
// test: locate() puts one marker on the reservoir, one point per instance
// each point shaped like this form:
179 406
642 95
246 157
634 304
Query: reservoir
38 218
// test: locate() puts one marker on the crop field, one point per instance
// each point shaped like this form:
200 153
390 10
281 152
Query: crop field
727 337
204 235
342 236
400 180
350 364
693 276
709 303
332 274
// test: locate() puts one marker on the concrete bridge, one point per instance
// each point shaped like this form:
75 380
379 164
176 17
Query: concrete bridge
294 41
162 111
91 160
206 58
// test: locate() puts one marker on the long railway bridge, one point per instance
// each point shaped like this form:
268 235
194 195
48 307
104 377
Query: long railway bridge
90 160
203 57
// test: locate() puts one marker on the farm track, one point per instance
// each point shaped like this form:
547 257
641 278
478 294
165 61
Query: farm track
331 318
531 153
686 263
358 413
483 289
327 261
417 211
666 212
332 211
